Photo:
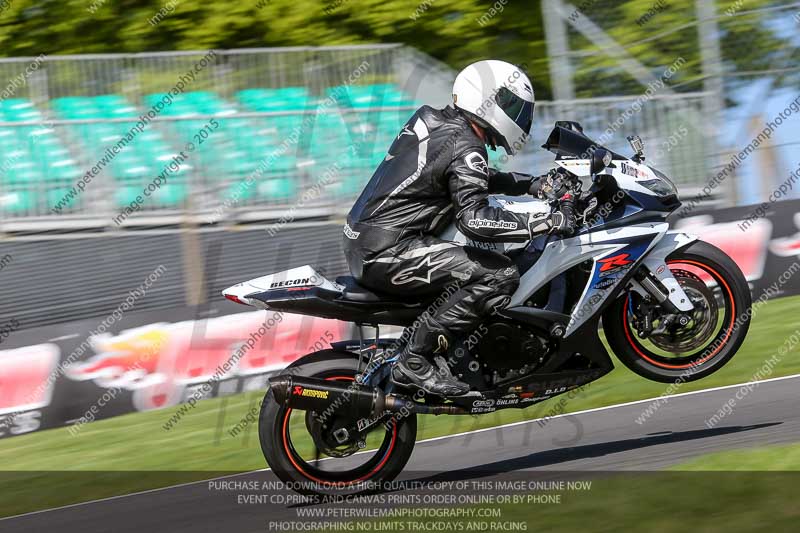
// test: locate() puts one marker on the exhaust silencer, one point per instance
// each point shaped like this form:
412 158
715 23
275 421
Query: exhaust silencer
350 399
334 397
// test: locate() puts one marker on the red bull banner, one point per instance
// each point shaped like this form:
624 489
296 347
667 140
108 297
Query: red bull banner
26 387
148 364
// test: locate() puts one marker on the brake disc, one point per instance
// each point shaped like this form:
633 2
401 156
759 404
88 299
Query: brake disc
702 319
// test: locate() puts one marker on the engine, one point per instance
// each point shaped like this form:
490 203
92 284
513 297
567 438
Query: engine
509 348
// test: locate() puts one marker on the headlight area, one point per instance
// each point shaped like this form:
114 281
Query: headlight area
665 183
660 187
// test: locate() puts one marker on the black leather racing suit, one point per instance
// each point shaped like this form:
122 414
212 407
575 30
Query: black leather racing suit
436 172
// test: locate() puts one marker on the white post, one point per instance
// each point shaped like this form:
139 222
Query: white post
558 51
711 62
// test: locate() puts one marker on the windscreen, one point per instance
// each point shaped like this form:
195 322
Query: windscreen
571 143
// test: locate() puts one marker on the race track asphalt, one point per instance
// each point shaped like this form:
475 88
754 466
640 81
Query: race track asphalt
603 440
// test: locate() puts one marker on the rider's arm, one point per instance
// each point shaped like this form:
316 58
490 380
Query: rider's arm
510 183
517 184
468 179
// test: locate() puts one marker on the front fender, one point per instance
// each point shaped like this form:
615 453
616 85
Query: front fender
656 262
671 241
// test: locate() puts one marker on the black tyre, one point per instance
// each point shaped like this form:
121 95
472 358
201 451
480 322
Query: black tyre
291 440
715 332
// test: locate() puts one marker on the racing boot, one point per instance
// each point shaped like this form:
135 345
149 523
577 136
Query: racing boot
414 368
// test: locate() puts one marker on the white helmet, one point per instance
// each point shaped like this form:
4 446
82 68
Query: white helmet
499 97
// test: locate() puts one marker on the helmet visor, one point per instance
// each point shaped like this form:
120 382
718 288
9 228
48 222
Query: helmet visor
519 110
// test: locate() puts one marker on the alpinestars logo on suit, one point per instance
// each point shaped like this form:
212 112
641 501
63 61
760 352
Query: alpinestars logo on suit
421 272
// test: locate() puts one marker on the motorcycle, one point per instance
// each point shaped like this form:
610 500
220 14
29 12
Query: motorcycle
673 308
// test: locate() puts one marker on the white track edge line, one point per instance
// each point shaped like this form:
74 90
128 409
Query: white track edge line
607 407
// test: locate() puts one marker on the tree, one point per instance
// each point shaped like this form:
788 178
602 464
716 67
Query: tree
658 32
457 32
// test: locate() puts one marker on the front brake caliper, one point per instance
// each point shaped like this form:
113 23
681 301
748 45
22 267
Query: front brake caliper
643 316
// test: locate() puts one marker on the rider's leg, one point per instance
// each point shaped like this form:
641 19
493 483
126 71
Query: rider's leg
465 283
457 317
421 361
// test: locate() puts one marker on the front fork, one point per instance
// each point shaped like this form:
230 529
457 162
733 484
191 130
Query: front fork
655 279
658 288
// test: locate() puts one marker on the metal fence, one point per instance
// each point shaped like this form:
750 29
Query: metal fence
222 71
281 165
666 123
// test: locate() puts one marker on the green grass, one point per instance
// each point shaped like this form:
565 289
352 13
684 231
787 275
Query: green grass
768 459
201 443
734 491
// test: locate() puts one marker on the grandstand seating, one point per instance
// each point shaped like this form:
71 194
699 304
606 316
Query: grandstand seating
335 133
34 164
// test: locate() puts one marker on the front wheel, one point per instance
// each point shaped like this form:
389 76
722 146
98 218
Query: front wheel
302 449
715 329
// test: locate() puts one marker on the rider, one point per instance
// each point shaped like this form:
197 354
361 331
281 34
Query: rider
436 172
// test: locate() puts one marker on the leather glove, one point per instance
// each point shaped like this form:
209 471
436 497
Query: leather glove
549 186
563 222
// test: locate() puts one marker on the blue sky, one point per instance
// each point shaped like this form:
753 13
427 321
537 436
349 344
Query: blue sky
758 97
785 139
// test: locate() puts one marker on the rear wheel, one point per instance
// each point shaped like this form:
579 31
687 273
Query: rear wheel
702 341
302 450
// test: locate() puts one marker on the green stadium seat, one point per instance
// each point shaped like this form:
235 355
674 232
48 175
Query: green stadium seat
282 163
360 96
126 195
110 101
234 163
43 169
21 170
42 136
276 189
19 201
122 112
282 99
18 105
6 134
62 171
169 195
239 190
136 171
22 115
200 96
58 195
76 108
